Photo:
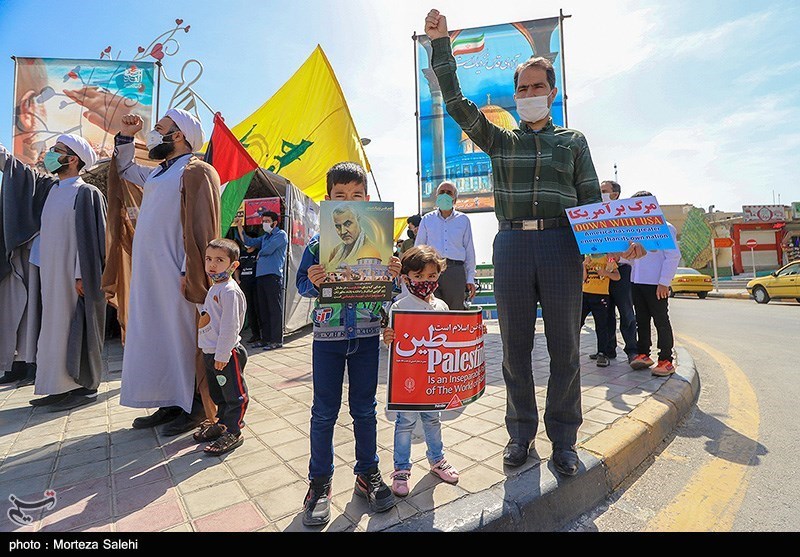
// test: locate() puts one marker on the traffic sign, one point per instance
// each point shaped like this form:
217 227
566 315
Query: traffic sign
751 243
723 242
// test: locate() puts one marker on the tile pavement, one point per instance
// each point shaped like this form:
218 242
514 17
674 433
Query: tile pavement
110 477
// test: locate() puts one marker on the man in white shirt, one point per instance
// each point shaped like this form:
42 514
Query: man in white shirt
450 233
651 276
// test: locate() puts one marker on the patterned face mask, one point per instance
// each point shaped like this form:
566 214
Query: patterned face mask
421 289
221 277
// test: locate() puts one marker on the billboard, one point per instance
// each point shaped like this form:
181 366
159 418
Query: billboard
84 97
486 58
764 213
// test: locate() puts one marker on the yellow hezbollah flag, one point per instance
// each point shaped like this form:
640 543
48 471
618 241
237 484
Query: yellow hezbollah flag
304 128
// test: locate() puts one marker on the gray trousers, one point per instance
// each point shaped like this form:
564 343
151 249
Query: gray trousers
542 267
453 285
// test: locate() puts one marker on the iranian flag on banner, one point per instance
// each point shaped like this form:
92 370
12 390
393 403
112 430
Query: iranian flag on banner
235 167
468 45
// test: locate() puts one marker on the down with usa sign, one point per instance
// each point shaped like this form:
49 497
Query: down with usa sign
437 360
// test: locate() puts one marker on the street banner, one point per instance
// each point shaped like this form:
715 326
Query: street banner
486 58
356 243
304 128
83 97
436 360
695 243
611 226
249 213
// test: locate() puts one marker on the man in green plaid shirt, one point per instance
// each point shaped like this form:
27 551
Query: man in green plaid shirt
539 170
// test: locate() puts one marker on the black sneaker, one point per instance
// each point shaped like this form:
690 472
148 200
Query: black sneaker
602 360
378 494
317 504
593 356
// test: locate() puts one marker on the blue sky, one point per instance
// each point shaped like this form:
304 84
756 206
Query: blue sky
696 101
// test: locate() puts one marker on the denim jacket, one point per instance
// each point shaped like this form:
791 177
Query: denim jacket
336 321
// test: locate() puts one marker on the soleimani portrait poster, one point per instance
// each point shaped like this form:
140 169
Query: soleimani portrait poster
355 246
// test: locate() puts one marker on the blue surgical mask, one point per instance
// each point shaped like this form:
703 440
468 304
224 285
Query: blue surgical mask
52 161
444 202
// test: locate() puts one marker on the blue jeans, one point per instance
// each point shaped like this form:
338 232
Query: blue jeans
404 427
329 358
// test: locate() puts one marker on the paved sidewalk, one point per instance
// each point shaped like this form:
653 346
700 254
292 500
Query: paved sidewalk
109 477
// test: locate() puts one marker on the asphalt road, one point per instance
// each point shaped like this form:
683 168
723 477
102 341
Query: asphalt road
731 465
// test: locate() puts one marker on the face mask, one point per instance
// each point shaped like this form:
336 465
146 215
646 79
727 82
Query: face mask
221 277
606 197
421 289
533 109
154 139
444 202
158 148
266 227
411 235
52 161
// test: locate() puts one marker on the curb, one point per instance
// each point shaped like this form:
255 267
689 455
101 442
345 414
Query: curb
540 500
730 295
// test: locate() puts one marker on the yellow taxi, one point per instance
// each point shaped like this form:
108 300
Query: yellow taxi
690 281
783 283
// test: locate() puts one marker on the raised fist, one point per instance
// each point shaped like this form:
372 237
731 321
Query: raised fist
131 125
435 25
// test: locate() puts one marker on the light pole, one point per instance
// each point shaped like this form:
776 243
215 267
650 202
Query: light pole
364 142
713 249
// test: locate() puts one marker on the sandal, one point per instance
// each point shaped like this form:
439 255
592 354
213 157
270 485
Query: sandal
226 443
208 432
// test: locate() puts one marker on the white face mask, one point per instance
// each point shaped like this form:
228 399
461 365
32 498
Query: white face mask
153 139
533 109
606 197
267 227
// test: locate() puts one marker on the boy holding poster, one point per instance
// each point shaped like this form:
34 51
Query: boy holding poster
598 272
421 267
345 335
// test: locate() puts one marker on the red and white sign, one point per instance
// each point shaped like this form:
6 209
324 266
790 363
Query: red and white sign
764 213
437 360
250 210
751 243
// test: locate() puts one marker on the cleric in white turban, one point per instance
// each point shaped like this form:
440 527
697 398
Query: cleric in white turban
69 217
80 147
178 216
190 126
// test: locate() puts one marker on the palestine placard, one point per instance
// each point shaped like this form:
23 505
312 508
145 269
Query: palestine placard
436 360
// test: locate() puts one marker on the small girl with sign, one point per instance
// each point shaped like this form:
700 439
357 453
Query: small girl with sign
421 267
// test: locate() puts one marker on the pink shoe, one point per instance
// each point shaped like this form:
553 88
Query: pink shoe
445 472
400 482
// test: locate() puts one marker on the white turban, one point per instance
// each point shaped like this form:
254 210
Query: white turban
80 147
189 125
